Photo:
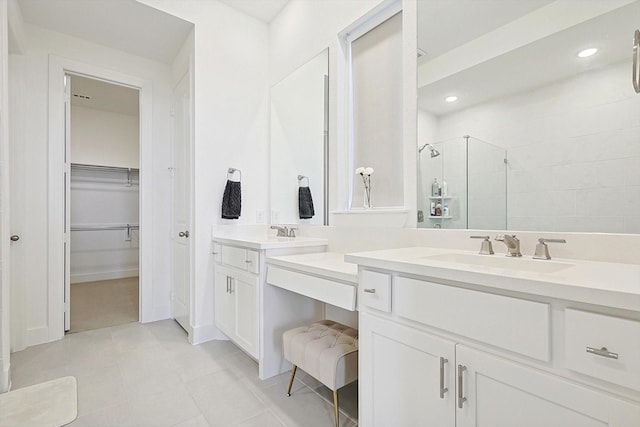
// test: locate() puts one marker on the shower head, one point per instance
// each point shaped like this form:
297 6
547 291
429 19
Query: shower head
434 152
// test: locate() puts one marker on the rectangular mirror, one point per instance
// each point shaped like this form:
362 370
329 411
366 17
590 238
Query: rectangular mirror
518 79
299 138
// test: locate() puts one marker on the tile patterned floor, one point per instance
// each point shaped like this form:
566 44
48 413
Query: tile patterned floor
103 303
149 375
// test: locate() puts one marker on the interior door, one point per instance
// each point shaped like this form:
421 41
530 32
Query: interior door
181 190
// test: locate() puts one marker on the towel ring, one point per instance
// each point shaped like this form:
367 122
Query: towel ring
301 178
231 171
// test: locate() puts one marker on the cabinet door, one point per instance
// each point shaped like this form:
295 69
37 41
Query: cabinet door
224 304
244 290
500 393
399 376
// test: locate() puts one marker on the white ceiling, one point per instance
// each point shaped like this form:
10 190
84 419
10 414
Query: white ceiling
104 96
540 63
446 24
120 24
264 10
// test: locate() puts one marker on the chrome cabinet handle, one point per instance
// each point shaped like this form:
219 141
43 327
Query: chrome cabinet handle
443 389
227 284
184 234
635 78
461 398
14 238
370 290
602 352
248 261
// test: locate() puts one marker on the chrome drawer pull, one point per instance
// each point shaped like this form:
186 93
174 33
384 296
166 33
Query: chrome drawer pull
370 291
602 352
443 389
461 398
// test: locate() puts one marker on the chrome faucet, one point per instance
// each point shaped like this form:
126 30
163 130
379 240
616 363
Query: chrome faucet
282 231
512 243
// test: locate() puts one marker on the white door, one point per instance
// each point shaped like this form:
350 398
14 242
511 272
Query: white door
406 376
181 190
500 393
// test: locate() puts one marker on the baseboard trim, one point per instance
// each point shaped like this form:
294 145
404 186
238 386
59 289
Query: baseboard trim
38 336
5 376
206 333
103 275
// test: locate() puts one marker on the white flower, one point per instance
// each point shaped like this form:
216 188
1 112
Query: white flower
368 171
360 170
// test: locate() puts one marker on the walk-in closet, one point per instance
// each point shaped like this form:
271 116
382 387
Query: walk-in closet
103 206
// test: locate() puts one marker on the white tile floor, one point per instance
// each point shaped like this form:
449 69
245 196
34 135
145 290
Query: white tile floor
149 375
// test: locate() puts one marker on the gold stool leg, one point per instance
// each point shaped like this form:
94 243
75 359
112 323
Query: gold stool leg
335 406
293 374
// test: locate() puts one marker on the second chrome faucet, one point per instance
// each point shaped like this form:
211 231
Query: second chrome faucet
512 243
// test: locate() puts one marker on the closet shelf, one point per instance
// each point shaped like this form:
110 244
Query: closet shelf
82 166
104 227
99 168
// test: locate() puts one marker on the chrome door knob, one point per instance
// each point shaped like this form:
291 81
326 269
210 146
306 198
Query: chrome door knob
183 234
15 238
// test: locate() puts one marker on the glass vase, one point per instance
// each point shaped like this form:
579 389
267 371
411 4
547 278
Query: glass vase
367 198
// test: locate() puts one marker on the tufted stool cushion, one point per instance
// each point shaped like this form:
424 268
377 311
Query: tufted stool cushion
326 350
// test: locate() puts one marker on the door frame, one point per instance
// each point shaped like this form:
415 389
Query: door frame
58 67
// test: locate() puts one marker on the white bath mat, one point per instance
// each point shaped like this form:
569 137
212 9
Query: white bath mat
49 404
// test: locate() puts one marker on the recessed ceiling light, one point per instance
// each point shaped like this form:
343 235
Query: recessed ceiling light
587 52
451 98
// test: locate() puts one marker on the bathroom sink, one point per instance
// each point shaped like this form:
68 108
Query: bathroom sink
500 261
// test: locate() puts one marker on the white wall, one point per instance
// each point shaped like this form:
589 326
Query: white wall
231 101
104 138
572 150
28 92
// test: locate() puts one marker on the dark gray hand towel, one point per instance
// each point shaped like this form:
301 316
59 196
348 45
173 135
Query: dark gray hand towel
305 203
231 200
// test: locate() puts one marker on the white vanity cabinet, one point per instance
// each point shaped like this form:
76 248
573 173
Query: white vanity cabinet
236 307
246 309
447 354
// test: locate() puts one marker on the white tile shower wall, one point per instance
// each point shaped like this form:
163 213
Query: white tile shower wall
574 157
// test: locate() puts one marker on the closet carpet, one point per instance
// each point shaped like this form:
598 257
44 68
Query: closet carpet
96 305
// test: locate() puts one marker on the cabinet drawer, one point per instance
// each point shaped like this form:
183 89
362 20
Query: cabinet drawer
375 290
244 259
510 323
586 337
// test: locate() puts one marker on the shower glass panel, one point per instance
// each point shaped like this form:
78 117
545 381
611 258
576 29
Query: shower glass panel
471 177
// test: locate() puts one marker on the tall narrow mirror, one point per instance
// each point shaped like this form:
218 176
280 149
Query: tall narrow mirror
299 135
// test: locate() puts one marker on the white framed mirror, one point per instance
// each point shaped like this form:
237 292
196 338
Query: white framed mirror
299 139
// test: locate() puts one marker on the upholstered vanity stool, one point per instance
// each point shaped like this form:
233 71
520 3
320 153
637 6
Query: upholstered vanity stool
326 350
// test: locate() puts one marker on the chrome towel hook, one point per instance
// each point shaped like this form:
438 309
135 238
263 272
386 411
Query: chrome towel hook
232 171
302 178
635 78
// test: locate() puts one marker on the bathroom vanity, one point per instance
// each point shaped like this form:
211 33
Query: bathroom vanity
246 311
453 338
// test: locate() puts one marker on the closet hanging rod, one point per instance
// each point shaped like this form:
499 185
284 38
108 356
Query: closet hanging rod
104 227
83 166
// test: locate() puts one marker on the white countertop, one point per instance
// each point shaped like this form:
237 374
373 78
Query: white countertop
601 283
324 264
258 240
